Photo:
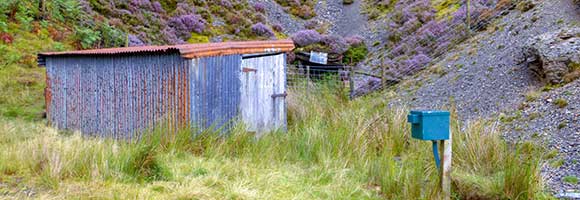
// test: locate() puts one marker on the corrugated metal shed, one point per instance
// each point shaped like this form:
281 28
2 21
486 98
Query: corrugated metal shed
122 92
187 50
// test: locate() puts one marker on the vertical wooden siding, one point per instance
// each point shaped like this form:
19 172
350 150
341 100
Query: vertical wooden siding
117 96
267 77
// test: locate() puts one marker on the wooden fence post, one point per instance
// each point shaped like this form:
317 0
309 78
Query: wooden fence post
307 79
351 82
445 172
468 16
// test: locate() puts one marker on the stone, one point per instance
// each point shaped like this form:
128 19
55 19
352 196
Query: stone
549 55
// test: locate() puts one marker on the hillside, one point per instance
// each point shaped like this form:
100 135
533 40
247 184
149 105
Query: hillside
507 69
485 76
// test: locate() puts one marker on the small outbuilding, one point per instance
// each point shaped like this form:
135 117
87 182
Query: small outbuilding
120 92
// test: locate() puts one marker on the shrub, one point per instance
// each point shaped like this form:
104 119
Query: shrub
157 7
171 36
570 179
135 41
198 38
355 54
312 24
277 27
354 40
561 103
306 37
186 24
260 7
336 44
226 3
304 12
86 37
262 30
300 8
183 9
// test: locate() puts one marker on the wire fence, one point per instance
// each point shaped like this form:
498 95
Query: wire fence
309 78
480 22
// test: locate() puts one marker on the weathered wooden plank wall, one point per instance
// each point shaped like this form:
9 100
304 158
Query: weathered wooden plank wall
263 79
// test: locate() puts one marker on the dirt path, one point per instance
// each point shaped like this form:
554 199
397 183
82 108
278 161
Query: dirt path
345 20
351 21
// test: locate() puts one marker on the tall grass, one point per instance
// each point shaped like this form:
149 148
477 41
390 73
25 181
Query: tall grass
334 148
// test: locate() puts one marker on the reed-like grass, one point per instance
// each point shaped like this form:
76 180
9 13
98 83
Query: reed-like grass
334 149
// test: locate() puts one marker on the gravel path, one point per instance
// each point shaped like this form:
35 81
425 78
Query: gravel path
344 20
276 15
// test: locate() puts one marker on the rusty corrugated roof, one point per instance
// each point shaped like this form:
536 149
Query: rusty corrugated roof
192 50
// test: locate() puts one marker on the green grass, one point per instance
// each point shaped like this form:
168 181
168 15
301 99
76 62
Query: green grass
570 179
334 149
561 103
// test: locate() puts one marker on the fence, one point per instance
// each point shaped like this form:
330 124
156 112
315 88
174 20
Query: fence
309 78
475 20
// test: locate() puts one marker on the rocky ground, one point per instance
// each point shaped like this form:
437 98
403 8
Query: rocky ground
344 20
488 75
276 15
547 118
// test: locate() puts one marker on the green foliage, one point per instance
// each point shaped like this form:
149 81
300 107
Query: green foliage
355 54
446 7
143 163
21 93
169 5
87 37
570 179
574 72
300 8
561 103
377 8
111 37
198 38
364 152
62 10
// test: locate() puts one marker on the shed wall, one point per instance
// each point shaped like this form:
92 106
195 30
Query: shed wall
117 96
215 91
120 96
263 105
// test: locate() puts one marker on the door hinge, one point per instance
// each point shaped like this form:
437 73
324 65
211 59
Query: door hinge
280 95
246 70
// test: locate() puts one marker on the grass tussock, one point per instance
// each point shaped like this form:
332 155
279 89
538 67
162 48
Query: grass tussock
334 149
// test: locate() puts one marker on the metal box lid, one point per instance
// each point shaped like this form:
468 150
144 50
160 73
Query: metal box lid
430 112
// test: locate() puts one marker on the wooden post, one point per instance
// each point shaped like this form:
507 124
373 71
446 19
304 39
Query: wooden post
308 79
468 16
351 82
445 172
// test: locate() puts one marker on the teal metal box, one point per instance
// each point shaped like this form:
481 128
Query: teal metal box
429 124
